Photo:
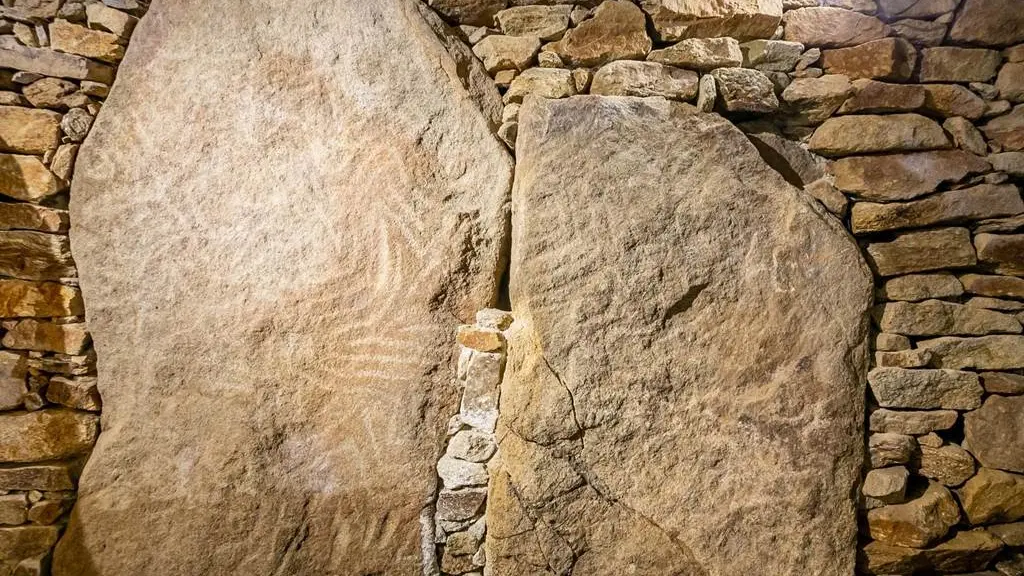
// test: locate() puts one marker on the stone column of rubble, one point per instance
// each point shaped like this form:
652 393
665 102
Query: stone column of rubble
57 62
904 118
460 524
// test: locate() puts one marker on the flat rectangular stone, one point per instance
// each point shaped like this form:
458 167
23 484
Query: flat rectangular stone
35 255
889 177
993 285
939 318
983 353
47 337
923 251
49 434
955 64
887 59
953 207
21 216
740 19
26 178
861 134
50 63
27 299
27 131
911 422
24 542
925 389
1003 253
42 477
915 287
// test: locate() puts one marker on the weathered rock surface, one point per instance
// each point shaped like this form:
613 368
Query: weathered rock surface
890 421
1003 253
618 31
888 448
915 287
50 63
542 82
949 464
740 19
860 134
994 286
23 299
885 59
49 434
702 54
28 131
622 481
874 96
953 64
499 52
903 176
630 78
888 485
26 178
1002 383
989 23
918 523
1007 130
925 389
330 204
814 100
993 496
995 433
744 90
956 206
915 8
544 22
1001 352
831 27
948 100
923 251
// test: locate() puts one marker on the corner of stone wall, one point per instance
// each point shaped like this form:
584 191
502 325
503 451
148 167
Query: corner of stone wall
58 60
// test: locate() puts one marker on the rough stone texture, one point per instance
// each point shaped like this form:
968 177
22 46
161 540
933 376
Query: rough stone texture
993 496
903 176
740 19
893 9
966 136
1003 253
920 32
28 131
887 448
953 64
925 389
330 203
702 54
949 464
618 31
1002 383
32 217
1007 130
816 99
80 40
1012 534
772 55
469 12
983 353
798 166
911 422
989 23
952 100
859 134
744 90
918 523
832 27
1010 82
544 22
48 434
874 96
923 251
23 299
886 59
26 178
903 359
995 433
994 286
50 63
47 337
888 485
24 542
506 52
542 82
955 206
916 287
632 487
629 78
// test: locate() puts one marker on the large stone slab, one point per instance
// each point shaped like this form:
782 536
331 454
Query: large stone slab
275 258
688 345
903 176
995 433
740 19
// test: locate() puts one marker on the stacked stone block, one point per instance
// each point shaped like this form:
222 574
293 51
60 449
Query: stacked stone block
905 119
57 62
459 523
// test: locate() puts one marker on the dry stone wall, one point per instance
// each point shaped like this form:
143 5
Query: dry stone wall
905 119
57 62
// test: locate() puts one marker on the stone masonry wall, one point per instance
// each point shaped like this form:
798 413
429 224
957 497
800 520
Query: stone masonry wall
57 61
905 119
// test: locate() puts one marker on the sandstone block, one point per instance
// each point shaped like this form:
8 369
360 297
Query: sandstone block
886 59
24 542
906 422
18 216
27 131
920 32
989 23
1009 162
35 256
966 136
78 393
891 342
24 299
1002 383
925 389
993 496
888 448
995 433
950 464
903 176
1001 352
771 55
848 135
50 93
915 287
1010 82
46 62
798 166
994 286
47 337
816 99
954 64
918 523
703 54
923 251
967 551
26 178
895 9
102 17
742 19
42 477
544 22
744 90
953 100
874 96
1007 130
617 31
903 359
13 370
13 509
482 378
74 39
48 434
955 206
631 78
499 52
585 147
888 485
832 27
543 82
1012 534
469 12
1004 253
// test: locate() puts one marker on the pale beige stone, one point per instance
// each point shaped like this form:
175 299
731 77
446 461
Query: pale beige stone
994 433
28 131
631 78
617 31
47 337
740 19
918 523
1000 352
313 371
49 93
923 251
911 422
830 27
78 393
20 216
891 342
888 485
47 62
544 22
859 134
771 55
886 59
13 509
903 359
949 464
967 137
74 39
925 389
744 90
830 197
506 52
915 287
26 178
102 17
13 370
903 176
887 448
703 54
816 99
954 64
560 364
23 299
543 82
955 206
989 23
993 496
468 12
48 434
874 96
